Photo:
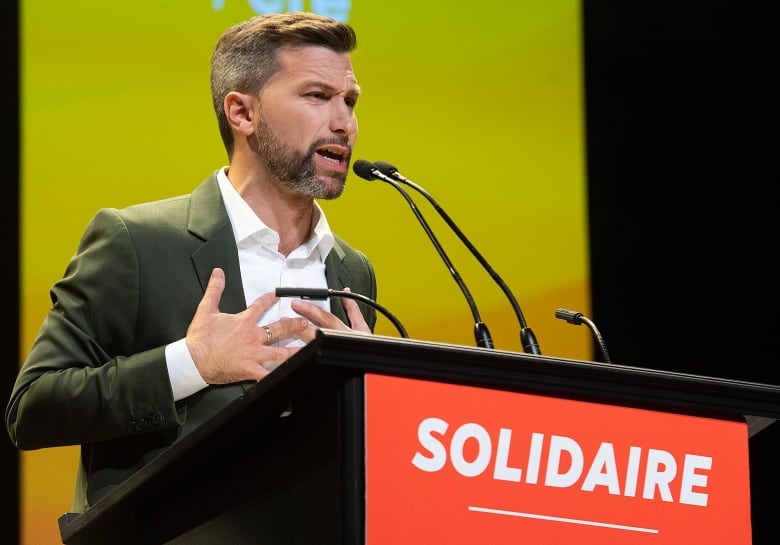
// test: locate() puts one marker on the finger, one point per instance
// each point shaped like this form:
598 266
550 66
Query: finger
260 305
216 285
272 357
356 318
284 328
276 354
316 314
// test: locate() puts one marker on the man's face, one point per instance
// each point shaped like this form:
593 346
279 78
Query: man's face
306 125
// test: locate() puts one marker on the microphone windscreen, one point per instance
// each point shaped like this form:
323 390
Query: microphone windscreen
569 315
386 168
364 169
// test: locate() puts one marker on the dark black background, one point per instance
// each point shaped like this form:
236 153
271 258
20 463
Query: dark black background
682 154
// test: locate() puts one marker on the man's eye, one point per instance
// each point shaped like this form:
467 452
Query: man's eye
351 102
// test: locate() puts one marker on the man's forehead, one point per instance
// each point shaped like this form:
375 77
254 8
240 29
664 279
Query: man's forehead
313 56
316 63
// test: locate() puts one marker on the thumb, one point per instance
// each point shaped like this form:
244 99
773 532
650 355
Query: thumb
213 293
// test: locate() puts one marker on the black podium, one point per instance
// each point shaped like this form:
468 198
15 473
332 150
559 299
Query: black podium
285 464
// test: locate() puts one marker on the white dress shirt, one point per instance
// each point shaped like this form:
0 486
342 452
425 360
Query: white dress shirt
263 269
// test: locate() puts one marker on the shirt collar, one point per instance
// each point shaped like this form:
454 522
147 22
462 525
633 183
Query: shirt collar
250 230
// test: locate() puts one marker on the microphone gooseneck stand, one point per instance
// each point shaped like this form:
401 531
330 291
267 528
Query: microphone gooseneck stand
577 318
527 338
368 171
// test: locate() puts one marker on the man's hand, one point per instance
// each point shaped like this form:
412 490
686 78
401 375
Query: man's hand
321 318
232 347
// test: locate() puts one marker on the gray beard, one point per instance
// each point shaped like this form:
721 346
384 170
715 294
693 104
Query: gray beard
294 169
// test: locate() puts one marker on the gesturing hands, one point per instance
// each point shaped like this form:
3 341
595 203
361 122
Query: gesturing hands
320 317
232 347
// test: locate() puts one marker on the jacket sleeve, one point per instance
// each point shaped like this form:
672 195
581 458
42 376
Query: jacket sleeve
81 381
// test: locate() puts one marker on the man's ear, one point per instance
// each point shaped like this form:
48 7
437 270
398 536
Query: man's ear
239 109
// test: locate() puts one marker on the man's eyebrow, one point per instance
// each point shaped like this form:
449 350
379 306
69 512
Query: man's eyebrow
353 90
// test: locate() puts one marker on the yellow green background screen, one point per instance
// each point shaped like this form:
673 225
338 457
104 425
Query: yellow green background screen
478 102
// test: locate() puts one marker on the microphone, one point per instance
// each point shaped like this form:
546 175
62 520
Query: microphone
368 171
325 293
577 318
527 338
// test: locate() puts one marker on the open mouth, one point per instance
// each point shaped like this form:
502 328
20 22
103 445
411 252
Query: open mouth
335 154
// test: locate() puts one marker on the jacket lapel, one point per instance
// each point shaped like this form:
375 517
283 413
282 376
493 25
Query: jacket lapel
209 221
338 277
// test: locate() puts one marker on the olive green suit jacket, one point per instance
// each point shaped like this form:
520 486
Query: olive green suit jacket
96 374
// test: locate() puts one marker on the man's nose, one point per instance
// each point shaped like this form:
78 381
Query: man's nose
343 119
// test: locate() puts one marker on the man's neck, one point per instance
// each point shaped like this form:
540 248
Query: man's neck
288 213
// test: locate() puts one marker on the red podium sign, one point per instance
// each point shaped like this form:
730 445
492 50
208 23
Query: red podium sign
463 465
